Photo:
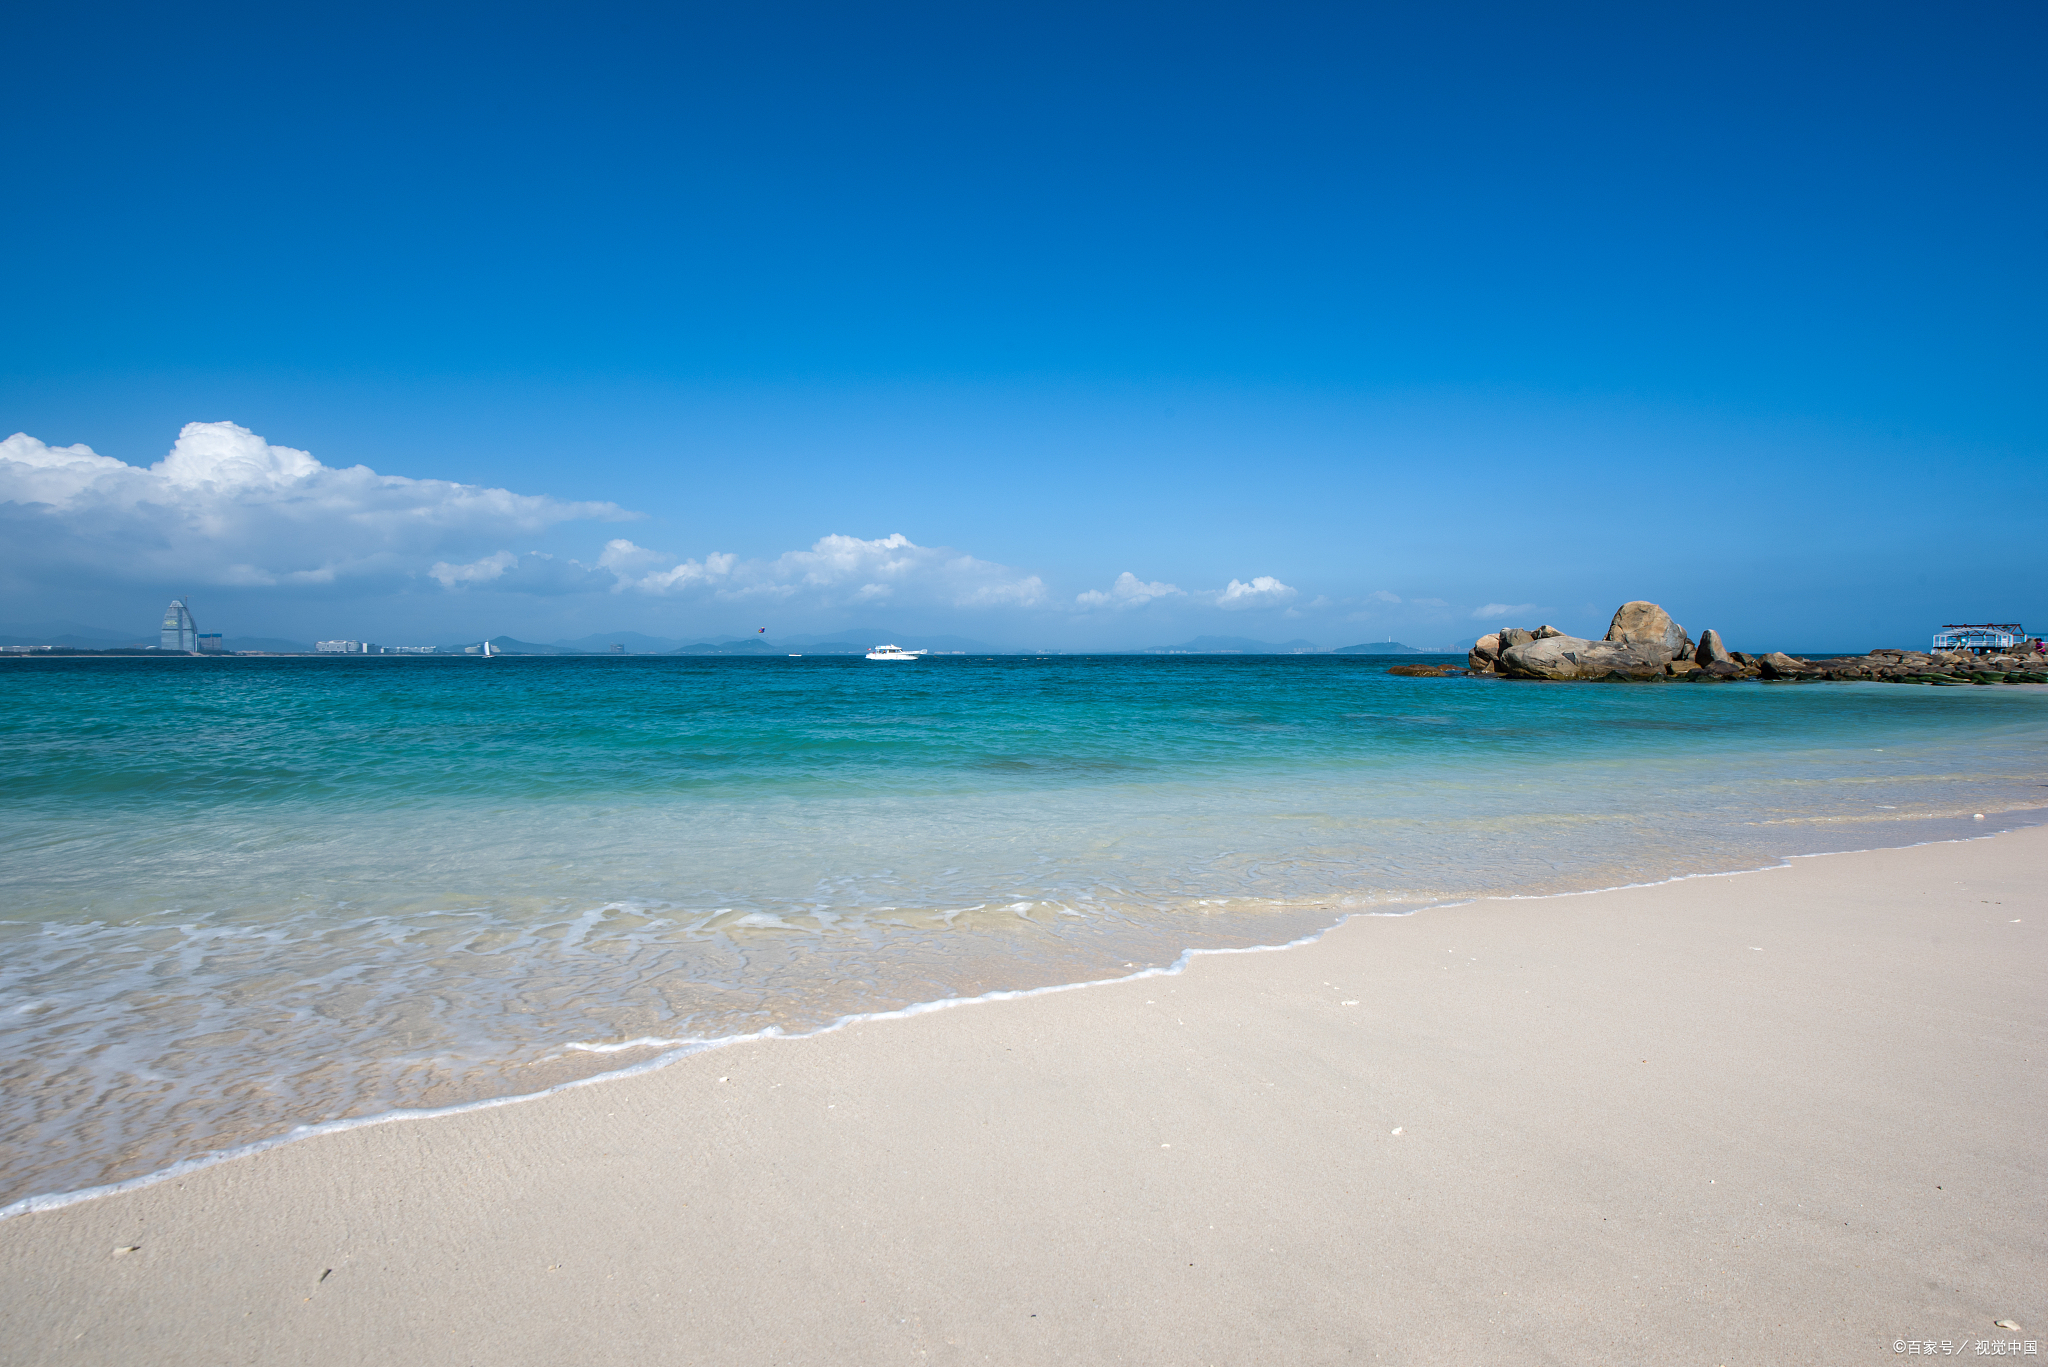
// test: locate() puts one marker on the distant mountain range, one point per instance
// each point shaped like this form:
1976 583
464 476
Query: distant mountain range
636 643
864 639
751 645
74 634
858 641
70 640
852 641
512 645
1232 645
81 637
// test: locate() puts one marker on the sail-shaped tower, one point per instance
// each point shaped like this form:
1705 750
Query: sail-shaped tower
180 631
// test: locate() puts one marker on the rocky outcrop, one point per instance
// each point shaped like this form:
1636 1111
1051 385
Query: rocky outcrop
1643 643
1649 631
1912 667
1575 657
1777 664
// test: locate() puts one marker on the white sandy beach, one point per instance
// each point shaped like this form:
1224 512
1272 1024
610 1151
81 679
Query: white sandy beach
1792 1116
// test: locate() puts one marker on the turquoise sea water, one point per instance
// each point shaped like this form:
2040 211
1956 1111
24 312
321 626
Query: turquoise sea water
238 896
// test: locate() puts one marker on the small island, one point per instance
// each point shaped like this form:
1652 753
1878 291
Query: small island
1644 645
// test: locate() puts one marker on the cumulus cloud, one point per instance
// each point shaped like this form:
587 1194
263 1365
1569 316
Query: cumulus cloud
225 507
1382 596
1128 591
1493 610
636 567
836 569
1262 592
536 572
483 571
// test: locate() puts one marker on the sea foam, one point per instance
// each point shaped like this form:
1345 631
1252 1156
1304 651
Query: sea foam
306 904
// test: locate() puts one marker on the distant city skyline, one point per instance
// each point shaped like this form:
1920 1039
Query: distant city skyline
1103 330
82 635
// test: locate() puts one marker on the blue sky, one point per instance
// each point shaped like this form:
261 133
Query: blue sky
947 317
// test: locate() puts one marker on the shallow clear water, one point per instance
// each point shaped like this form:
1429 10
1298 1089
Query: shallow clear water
242 895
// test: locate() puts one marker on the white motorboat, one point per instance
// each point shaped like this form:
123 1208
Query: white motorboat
893 653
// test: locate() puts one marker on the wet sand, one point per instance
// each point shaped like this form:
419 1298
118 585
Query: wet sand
1792 1116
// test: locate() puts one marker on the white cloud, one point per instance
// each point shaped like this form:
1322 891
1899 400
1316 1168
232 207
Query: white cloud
225 507
1493 610
636 567
1427 603
476 572
1128 591
1382 596
835 570
535 572
1262 592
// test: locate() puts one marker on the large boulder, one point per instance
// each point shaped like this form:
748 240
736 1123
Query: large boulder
1648 630
1484 654
1510 637
1575 657
1545 632
1777 664
1710 650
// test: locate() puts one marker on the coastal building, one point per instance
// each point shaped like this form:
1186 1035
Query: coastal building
410 650
1982 638
210 641
180 632
345 647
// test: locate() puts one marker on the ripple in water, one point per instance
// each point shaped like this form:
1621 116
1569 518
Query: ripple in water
243 896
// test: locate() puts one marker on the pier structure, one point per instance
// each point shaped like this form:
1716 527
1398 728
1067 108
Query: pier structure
1981 638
